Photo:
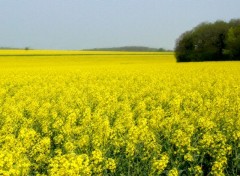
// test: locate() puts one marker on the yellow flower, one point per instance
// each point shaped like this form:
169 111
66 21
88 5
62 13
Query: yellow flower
159 165
173 172
111 165
188 157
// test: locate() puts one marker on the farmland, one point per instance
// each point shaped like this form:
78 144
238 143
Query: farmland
113 113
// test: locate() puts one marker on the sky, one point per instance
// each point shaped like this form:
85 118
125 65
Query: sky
84 24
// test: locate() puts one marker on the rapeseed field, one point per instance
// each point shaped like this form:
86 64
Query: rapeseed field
105 113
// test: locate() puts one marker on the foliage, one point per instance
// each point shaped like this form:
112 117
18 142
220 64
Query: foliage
209 42
118 115
233 43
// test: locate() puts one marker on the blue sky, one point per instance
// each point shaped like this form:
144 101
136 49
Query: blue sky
81 24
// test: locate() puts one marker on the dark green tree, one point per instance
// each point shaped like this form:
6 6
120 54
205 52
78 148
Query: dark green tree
233 43
208 42
184 47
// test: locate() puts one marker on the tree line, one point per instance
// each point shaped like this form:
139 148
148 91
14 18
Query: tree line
218 41
131 48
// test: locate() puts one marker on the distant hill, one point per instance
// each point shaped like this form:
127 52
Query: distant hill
123 48
129 48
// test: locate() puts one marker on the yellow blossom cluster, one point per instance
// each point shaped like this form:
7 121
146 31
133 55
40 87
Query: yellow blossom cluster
117 114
